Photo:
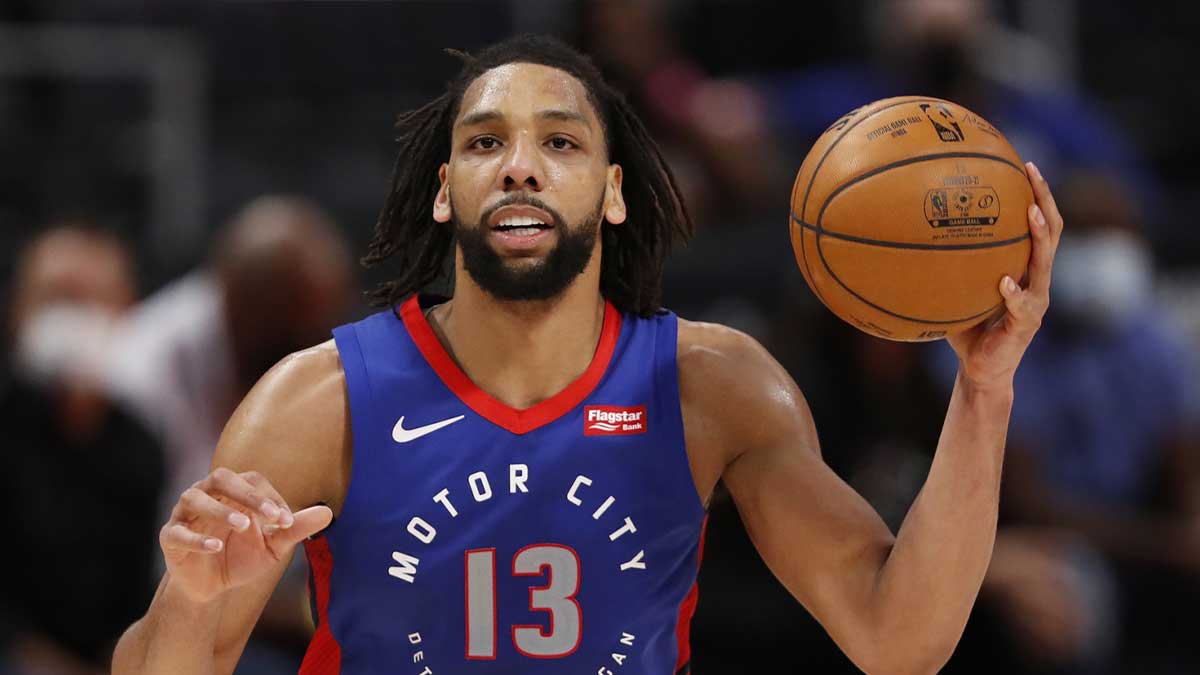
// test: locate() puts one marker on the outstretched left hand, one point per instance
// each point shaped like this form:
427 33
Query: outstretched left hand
989 353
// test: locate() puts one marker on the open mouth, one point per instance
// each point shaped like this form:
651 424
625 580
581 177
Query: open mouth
521 226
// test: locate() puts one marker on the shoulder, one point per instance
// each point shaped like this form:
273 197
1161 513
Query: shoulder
294 428
701 341
733 391
304 380
711 356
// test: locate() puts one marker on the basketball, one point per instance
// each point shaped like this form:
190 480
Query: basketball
906 214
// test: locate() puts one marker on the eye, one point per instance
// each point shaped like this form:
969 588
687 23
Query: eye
485 143
561 143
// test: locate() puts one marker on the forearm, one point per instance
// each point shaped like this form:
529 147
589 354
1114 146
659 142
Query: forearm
929 582
177 635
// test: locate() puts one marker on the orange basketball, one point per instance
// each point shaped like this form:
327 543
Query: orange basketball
906 214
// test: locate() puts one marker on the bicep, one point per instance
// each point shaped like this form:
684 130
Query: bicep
293 430
819 537
823 541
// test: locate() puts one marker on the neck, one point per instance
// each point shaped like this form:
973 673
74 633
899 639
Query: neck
522 352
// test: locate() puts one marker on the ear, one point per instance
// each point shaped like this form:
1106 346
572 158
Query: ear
441 203
614 201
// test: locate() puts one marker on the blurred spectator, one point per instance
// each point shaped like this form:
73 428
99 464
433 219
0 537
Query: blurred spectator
1100 513
278 280
80 489
713 130
1050 597
715 134
1104 440
959 50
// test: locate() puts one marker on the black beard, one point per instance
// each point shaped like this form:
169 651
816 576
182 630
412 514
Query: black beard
540 280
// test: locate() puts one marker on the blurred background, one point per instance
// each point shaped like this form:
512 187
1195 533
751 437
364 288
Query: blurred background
186 187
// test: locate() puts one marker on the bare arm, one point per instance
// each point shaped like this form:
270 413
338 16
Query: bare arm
928 584
886 601
893 604
287 444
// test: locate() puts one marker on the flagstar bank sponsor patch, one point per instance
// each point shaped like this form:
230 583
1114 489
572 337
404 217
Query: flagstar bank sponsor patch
614 420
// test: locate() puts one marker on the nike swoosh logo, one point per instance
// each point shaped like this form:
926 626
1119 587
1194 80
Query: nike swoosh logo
402 435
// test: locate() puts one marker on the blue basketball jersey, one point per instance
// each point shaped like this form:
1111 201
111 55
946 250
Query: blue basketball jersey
479 538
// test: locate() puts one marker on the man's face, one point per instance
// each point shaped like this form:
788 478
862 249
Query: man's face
70 289
69 267
528 181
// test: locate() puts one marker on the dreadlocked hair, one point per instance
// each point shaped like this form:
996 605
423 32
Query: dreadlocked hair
634 253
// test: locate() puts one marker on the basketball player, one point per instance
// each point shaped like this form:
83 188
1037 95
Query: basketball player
514 480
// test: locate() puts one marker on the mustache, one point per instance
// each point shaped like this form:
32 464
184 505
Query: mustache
522 199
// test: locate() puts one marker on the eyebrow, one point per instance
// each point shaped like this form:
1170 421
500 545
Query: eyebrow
483 116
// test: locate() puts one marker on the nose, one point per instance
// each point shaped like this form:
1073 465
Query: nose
523 166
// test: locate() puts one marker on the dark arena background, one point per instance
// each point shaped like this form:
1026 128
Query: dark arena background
139 138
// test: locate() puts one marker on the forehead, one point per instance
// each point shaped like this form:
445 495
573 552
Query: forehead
67 253
514 89
77 267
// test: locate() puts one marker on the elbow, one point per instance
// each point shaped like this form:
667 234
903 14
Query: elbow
929 666
125 659
883 665
905 655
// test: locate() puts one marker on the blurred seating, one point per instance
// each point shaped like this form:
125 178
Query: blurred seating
298 97
1103 444
278 279
82 478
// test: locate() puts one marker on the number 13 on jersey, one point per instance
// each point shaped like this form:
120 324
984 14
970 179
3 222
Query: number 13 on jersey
560 565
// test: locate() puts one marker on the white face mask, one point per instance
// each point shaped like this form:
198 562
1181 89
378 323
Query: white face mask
62 341
1102 278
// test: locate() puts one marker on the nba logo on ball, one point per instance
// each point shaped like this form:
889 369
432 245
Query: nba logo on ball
611 420
945 133
906 214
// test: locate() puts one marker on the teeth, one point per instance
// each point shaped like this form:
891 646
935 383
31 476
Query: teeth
519 221
523 231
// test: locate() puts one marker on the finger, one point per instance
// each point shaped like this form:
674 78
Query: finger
286 518
1045 199
195 503
308 522
1041 257
229 484
1023 306
177 537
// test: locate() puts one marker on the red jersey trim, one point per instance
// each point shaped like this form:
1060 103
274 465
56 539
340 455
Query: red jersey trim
687 609
324 654
518 421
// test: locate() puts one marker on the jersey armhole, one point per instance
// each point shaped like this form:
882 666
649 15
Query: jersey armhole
667 390
358 389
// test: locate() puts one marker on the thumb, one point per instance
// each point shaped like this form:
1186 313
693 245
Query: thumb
307 523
